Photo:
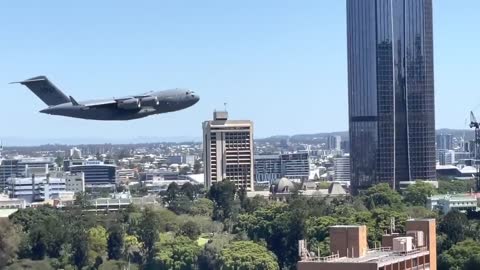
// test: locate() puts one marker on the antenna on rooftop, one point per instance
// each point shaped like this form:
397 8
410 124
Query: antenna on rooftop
225 106
392 225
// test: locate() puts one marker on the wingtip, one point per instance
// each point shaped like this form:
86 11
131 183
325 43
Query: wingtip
33 79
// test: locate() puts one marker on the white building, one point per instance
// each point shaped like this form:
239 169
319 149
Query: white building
75 182
446 203
341 167
125 175
35 188
75 153
228 151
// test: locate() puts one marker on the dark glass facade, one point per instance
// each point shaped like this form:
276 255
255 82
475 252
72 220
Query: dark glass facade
391 91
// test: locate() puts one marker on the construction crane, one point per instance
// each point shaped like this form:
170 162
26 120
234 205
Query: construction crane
474 124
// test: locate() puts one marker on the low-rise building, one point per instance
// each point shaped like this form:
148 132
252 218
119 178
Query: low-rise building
35 188
417 249
448 202
75 182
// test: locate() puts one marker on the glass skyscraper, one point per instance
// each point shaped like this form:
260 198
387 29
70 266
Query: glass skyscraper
391 91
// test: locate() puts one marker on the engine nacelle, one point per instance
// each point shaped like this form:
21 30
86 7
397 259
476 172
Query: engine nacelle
129 104
150 101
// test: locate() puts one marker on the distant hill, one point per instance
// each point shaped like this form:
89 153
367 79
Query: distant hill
305 138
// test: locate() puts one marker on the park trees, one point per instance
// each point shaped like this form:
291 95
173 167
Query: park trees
9 241
418 193
247 255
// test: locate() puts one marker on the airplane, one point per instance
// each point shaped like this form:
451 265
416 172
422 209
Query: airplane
124 108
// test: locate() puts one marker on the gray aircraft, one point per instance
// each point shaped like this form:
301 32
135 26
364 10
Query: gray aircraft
124 108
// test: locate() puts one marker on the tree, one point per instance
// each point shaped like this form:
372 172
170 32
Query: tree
197 167
97 243
190 229
115 243
175 253
81 200
9 242
80 249
172 192
247 255
464 255
454 225
223 195
381 195
202 207
181 204
184 170
148 231
208 258
188 190
418 193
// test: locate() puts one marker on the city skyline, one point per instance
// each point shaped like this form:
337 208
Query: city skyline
123 56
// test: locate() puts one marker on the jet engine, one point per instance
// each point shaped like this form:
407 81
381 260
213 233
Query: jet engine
150 101
129 104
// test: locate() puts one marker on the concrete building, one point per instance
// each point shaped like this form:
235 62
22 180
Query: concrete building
34 188
126 175
391 92
96 173
24 167
417 249
269 168
446 203
75 182
190 160
228 151
341 168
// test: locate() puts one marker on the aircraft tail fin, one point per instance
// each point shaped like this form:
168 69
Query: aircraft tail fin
45 90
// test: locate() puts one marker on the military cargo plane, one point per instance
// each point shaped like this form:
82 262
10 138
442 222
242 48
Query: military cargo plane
124 108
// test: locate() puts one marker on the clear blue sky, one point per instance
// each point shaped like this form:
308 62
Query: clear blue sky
281 64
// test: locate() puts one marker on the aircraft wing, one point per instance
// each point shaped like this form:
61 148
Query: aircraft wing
96 103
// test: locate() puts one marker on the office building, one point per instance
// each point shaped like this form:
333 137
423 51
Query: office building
269 168
341 168
24 167
75 182
96 173
176 159
228 151
445 141
35 188
190 160
416 249
391 92
334 143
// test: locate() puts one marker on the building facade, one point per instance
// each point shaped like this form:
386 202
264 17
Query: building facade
24 167
228 151
391 91
269 168
341 168
445 141
96 173
75 182
34 188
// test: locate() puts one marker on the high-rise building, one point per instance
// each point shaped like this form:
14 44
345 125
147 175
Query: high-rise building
391 91
445 141
96 173
341 168
334 143
228 151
